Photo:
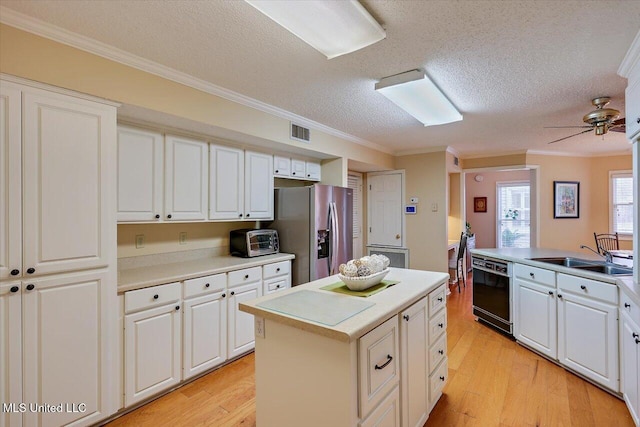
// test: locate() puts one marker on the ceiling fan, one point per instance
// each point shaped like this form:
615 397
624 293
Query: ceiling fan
601 119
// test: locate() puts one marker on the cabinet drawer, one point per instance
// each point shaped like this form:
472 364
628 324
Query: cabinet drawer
437 326
437 352
204 285
437 300
276 269
535 274
588 288
151 297
387 413
247 275
276 284
437 380
379 368
631 308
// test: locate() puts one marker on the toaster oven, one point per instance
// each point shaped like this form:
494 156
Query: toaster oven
248 242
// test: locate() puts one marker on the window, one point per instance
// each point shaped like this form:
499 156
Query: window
621 202
513 214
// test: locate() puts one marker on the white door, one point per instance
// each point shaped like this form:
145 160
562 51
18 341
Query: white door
258 196
10 181
630 372
68 179
281 166
186 179
414 352
226 183
205 333
588 338
355 183
535 314
314 171
385 209
152 350
67 346
298 168
241 336
140 174
11 352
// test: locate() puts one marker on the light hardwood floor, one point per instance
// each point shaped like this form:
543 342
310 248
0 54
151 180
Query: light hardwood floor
492 382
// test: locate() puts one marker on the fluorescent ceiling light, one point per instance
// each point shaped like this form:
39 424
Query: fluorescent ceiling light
331 27
417 95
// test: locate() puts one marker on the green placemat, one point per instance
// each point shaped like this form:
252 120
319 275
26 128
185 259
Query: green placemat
340 287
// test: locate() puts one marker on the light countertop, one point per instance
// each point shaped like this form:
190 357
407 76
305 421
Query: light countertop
522 255
413 285
142 277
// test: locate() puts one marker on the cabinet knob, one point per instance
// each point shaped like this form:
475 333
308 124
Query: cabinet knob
169 216
157 216
627 305
441 378
233 293
277 171
248 215
638 120
406 317
533 276
551 293
177 307
308 175
15 272
559 296
31 287
207 285
441 325
441 351
583 287
440 299
156 296
246 276
224 295
15 289
277 286
633 334
31 270
240 215
293 173
278 270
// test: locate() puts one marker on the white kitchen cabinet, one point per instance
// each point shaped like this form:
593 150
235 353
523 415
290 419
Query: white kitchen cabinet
276 277
11 351
632 96
186 194
535 311
630 356
313 171
281 166
66 346
298 168
387 414
153 345
241 325
414 350
588 328
204 336
226 183
258 196
140 174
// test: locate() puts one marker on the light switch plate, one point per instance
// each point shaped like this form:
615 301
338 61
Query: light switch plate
182 239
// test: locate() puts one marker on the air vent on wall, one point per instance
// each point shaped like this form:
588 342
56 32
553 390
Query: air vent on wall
300 133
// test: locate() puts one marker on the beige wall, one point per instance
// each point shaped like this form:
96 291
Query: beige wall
510 160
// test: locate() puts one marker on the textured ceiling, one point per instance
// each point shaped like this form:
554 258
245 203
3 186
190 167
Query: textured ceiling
510 67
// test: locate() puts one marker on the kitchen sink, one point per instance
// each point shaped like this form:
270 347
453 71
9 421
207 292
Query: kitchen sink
589 265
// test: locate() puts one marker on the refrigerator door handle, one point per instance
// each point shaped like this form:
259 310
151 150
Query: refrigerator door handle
335 238
330 238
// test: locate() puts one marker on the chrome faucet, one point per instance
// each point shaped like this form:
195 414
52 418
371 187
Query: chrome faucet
607 255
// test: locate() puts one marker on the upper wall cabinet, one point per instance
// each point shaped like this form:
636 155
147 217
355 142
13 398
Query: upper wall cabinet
226 183
186 179
140 174
258 196
284 167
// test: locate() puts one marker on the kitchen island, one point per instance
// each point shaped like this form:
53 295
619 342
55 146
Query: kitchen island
329 359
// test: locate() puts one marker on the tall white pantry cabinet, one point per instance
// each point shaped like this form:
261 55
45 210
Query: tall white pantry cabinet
57 256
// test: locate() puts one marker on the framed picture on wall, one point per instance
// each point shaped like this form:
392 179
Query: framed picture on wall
566 199
479 204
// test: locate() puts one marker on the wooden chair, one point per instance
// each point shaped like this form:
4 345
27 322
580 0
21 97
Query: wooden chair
606 242
459 267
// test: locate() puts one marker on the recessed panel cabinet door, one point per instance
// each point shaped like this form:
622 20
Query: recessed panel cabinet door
630 369
258 198
186 179
140 174
10 181
11 351
226 183
241 328
536 317
68 182
414 351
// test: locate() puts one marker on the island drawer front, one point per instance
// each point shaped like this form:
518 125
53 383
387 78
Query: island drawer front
247 275
588 288
437 327
437 353
379 368
151 297
539 275
275 284
204 285
437 300
385 414
437 380
631 308
276 269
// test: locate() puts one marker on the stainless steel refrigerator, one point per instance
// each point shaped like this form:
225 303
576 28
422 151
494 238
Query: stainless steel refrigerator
316 224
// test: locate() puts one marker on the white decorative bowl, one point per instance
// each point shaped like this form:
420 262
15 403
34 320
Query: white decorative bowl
364 282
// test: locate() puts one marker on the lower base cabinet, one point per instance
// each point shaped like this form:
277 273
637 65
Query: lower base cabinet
387 414
630 355
414 350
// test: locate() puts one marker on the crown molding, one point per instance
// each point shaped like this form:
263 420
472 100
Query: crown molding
569 154
60 35
631 59
425 150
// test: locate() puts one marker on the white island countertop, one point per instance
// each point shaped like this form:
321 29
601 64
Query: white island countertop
413 285
524 255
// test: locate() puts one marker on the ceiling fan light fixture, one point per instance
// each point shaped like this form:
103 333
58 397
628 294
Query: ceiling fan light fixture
334 28
416 94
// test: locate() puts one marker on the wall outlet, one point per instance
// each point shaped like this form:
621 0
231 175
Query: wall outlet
259 326
139 241
434 207
182 239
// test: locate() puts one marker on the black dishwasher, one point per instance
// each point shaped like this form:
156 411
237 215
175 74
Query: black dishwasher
492 293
